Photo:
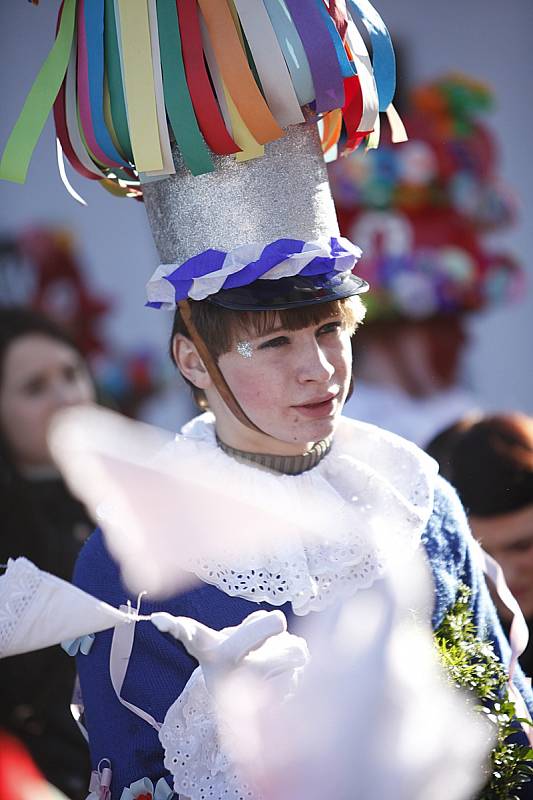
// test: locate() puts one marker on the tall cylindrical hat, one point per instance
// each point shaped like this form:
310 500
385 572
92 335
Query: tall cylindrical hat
251 236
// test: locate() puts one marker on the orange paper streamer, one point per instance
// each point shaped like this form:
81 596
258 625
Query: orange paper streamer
236 73
332 122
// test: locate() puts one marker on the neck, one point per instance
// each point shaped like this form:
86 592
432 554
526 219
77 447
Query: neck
237 436
282 464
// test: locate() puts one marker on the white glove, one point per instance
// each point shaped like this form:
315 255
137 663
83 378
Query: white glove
205 732
260 645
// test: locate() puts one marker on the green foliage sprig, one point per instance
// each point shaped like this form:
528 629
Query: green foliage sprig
473 665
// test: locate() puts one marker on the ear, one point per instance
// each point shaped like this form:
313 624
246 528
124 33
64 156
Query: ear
189 362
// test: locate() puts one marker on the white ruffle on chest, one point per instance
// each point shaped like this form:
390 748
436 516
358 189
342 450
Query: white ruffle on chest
362 508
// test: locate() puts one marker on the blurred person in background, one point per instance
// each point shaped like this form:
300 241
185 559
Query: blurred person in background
489 460
419 211
42 268
41 371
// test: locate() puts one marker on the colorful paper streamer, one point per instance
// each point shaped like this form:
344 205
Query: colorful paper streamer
227 76
28 128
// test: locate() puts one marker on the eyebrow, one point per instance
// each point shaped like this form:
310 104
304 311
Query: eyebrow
526 539
278 328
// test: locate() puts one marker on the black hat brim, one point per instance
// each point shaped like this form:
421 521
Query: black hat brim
290 292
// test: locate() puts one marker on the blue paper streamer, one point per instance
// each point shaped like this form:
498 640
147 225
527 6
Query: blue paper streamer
383 58
94 28
292 49
347 68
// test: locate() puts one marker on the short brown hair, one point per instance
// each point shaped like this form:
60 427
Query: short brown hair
220 327
489 461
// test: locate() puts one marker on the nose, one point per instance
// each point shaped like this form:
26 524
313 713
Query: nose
315 365
67 393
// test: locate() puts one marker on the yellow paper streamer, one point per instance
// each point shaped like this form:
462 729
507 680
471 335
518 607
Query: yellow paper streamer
331 129
241 135
134 31
164 138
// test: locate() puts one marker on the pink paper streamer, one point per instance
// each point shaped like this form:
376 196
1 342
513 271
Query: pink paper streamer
518 635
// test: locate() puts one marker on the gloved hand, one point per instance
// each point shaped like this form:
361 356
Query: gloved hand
260 645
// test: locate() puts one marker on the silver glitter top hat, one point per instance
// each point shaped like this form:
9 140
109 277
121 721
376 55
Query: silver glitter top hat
284 194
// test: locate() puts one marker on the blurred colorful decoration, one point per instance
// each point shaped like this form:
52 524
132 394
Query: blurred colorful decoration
419 210
40 269
222 77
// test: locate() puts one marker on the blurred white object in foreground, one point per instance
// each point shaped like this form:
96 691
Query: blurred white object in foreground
374 717
38 609
175 509
164 505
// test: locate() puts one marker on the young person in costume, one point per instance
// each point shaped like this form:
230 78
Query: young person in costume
265 302
272 356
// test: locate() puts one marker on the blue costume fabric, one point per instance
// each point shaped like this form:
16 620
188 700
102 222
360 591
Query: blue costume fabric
160 667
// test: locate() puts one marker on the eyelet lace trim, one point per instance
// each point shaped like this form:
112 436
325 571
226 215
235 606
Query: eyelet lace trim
378 489
193 754
18 589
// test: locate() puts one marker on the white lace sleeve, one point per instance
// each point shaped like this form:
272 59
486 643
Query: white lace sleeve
194 755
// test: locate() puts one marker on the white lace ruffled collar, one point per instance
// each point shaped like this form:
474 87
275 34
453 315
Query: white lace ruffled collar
365 505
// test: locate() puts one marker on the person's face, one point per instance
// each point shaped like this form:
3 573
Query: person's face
291 384
509 539
40 375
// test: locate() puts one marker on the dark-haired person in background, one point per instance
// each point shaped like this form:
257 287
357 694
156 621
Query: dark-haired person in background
41 371
489 460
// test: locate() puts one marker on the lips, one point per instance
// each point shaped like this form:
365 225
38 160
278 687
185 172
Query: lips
318 407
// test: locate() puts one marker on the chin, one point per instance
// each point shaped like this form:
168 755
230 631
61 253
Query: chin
315 430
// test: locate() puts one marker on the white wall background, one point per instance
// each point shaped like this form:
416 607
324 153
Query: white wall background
486 39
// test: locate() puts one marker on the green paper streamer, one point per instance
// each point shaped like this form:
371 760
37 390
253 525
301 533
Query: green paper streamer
177 98
114 79
29 126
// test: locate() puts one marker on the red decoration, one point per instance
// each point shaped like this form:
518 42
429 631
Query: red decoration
19 777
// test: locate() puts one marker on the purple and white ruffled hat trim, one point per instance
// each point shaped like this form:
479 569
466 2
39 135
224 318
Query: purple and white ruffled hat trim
212 270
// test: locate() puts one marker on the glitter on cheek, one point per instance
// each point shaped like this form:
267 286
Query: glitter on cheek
245 349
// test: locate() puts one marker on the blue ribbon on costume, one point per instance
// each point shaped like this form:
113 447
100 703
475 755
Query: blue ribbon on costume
145 786
81 645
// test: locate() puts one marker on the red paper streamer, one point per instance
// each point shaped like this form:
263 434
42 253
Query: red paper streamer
352 111
206 109
60 119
